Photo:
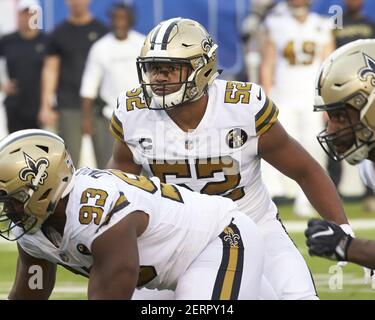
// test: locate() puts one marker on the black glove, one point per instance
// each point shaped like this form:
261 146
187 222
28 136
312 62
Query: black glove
327 239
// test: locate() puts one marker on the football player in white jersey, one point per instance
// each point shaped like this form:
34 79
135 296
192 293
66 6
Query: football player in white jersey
345 89
295 44
120 230
186 127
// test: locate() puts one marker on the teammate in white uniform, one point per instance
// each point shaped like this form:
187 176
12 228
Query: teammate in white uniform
295 45
345 89
209 135
109 57
120 230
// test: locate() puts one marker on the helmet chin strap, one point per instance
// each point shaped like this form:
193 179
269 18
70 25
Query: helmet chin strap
362 153
359 155
68 187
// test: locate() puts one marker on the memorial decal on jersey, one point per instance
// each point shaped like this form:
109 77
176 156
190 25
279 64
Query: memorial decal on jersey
146 144
236 138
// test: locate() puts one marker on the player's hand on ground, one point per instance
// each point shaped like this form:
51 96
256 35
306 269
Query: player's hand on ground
327 239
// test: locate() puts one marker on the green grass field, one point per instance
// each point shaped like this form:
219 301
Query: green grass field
70 286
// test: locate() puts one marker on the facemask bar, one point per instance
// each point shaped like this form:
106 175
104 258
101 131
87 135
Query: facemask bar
357 101
326 140
10 218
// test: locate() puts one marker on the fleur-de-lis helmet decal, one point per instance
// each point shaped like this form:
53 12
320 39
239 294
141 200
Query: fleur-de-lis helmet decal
33 168
368 70
36 171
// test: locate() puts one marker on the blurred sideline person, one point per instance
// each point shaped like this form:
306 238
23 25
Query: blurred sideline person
110 67
67 51
355 26
120 230
252 33
23 51
295 43
345 90
186 127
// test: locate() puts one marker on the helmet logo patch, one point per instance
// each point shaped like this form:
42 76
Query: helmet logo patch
207 44
33 168
369 69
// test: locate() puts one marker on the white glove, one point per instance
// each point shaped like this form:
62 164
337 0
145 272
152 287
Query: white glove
348 230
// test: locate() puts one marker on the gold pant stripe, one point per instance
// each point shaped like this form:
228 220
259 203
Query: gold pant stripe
226 290
228 279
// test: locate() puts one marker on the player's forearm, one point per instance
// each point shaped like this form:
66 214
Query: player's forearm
50 76
28 287
267 66
117 286
362 252
29 295
86 106
266 76
322 193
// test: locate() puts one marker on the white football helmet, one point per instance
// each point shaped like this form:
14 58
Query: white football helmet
36 171
178 41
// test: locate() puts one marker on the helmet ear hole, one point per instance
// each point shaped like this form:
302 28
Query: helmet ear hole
207 73
44 148
45 195
15 151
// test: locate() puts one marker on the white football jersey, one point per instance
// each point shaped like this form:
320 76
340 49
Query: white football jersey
219 157
181 224
367 173
299 51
